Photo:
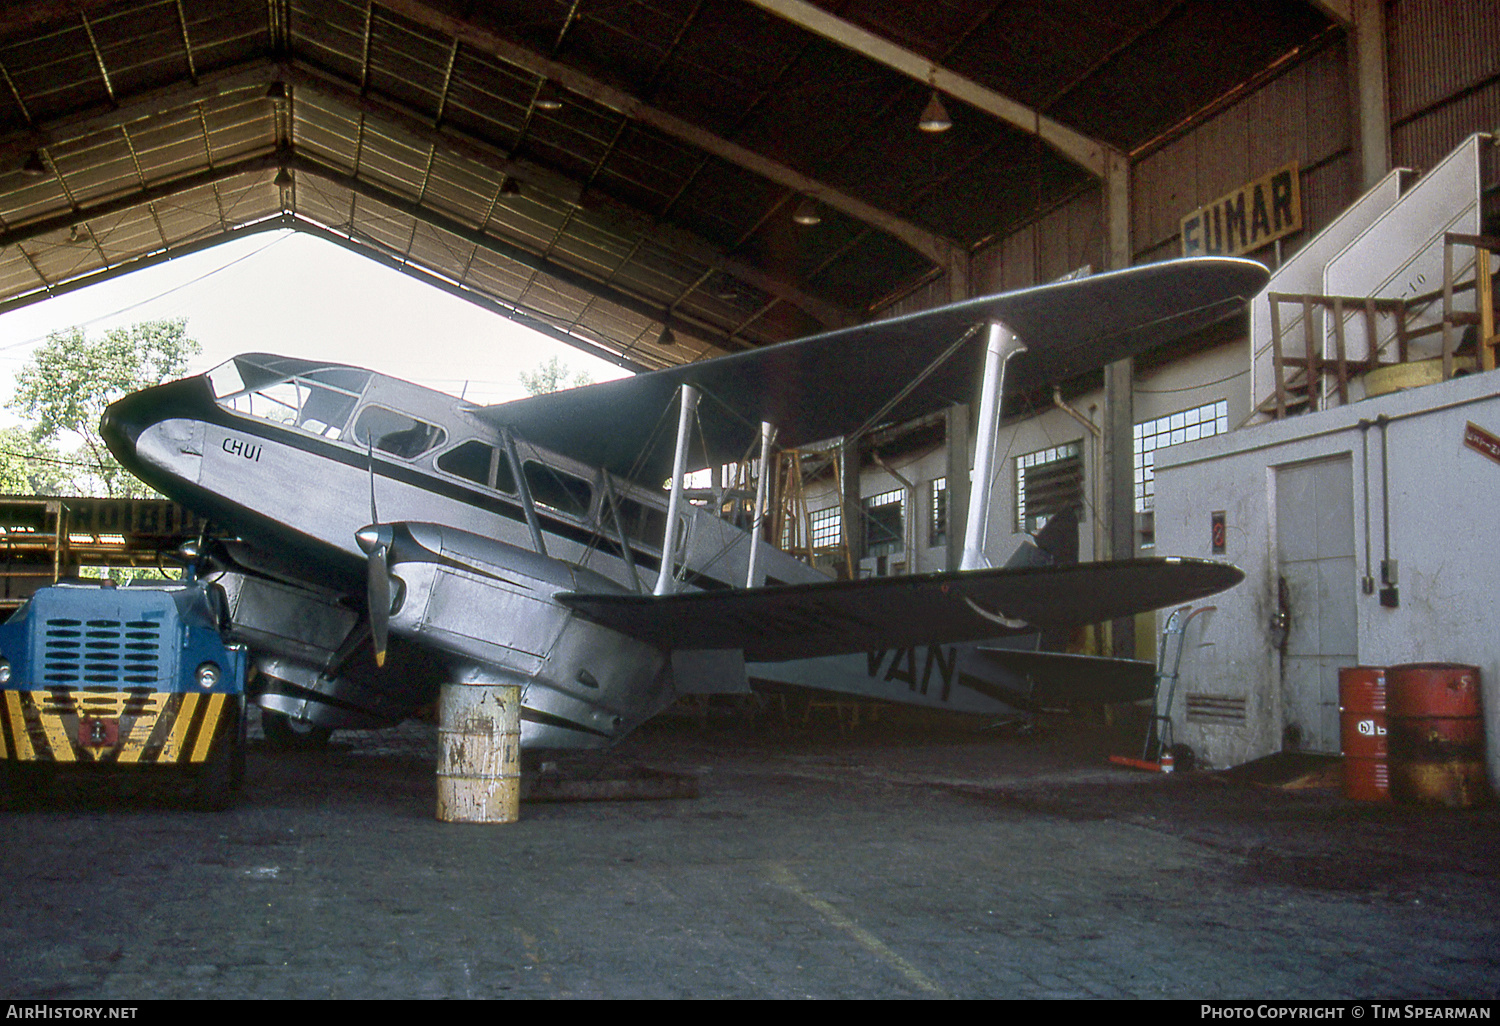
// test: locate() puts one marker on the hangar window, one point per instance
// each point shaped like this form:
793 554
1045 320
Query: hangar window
885 523
825 525
937 521
1155 435
1048 481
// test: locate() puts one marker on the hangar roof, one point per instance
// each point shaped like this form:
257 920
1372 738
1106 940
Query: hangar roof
604 170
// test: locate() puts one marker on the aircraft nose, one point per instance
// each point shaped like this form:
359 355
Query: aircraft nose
126 418
122 424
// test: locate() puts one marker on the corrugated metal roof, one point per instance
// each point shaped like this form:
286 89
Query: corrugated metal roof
656 191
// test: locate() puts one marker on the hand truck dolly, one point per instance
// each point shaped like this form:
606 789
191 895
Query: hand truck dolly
1159 753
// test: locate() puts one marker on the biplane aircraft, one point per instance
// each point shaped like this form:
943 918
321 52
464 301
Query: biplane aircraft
389 539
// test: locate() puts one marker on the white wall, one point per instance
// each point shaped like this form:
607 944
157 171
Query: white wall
1192 381
1443 500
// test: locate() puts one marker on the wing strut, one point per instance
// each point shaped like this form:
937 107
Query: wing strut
767 432
1000 345
532 524
671 543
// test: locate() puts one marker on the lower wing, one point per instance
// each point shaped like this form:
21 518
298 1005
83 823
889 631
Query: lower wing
803 621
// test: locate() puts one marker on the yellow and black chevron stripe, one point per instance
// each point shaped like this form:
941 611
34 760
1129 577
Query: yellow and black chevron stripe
114 727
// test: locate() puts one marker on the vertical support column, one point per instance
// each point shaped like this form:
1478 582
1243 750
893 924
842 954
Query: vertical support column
958 276
671 543
958 481
479 753
1116 185
1119 438
1371 90
767 432
1000 345
1119 400
959 271
849 499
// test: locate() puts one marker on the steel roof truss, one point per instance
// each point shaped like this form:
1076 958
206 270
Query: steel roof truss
1077 147
933 247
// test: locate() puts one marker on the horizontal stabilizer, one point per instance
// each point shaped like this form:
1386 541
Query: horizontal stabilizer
801 621
1060 678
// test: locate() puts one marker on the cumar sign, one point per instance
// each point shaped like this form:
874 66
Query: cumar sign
1248 218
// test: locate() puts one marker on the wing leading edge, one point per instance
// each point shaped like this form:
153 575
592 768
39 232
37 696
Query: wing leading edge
808 620
831 384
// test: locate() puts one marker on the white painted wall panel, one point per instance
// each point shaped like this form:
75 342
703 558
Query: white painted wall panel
1442 497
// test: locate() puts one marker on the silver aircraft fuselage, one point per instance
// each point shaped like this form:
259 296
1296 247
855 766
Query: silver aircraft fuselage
296 457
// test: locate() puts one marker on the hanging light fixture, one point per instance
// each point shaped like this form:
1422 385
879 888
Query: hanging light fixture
34 167
547 97
807 213
935 116
510 187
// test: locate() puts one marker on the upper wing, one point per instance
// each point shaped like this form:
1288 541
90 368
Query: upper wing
829 385
801 621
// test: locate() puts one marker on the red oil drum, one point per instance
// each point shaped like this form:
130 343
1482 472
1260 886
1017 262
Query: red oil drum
1436 734
1363 733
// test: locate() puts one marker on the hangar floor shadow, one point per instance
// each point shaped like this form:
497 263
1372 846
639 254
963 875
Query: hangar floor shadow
910 857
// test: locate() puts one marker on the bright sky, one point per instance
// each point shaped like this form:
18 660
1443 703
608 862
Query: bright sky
295 295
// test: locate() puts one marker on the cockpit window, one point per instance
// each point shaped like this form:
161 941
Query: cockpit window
296 393
396 433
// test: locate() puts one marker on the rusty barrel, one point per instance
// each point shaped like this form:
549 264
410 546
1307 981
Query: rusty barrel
1436 734
1362 732
479 754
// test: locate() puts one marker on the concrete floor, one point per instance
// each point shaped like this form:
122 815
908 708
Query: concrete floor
902 860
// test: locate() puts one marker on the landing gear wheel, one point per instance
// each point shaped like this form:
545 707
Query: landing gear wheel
284 732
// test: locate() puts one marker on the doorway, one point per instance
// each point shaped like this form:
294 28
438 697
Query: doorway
1316 564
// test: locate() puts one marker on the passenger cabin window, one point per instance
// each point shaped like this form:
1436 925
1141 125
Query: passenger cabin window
292 393
481 463
396 433
558 490
643 523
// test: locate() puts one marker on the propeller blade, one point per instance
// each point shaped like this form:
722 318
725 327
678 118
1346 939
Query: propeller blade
370 463
380 602
377 545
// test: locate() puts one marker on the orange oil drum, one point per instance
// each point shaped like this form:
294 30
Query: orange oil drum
1436 738
1363 733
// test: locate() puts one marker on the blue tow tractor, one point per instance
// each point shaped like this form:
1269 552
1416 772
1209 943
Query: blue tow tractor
139 679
